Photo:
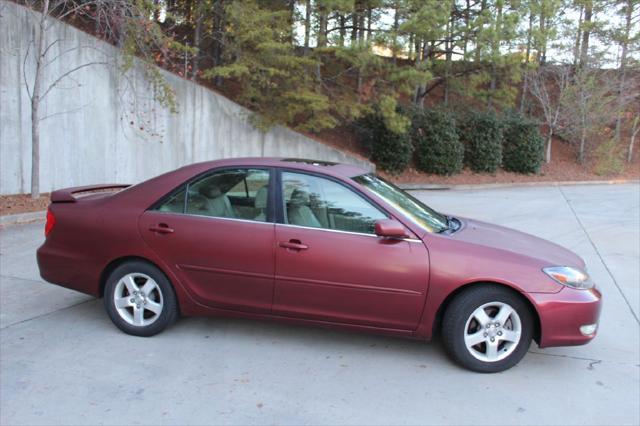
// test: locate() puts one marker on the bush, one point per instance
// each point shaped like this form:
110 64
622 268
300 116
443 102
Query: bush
437 147
609 159
523 147
481 133
388 150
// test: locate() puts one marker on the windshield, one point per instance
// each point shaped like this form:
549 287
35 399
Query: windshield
424 216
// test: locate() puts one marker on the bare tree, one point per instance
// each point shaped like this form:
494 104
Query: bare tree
588 105
122 22
626 40
635 129
548 84
42 84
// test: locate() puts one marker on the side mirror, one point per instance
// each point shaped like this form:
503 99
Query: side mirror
390 228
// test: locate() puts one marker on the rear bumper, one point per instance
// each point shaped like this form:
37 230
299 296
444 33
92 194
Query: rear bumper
564 313
60 268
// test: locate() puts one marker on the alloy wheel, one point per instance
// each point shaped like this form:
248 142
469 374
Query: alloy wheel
492 332
138 299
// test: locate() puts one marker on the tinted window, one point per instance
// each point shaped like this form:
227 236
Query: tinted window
321 203
236 193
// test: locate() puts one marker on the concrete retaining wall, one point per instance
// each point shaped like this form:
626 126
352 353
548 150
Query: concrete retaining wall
104 126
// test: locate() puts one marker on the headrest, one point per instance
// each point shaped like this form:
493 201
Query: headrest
211 191
261 197
299 197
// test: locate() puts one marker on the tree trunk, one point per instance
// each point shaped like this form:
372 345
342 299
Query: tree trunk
543 24
355 21
634 133
483 6
623 68
583 140
197 37
421 90
449 50
322 26
447 61
549 141
467 29
576 46
529 36
343 30
586 33
292 20
396 25
527 55
307 24
495 53
361 26
35 103
218 35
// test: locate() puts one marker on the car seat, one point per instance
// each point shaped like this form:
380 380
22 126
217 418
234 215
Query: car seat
218 204
299 212
260 203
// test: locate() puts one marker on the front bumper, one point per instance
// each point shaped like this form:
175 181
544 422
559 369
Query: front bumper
564 316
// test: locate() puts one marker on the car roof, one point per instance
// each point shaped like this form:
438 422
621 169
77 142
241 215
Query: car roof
324 167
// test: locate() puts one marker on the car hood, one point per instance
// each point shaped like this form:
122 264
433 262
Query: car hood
510 240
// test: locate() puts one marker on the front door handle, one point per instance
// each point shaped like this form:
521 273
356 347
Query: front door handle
161 228
293 245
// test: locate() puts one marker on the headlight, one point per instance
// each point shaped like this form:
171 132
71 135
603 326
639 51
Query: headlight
569 276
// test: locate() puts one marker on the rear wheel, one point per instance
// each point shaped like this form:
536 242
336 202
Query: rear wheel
487 328
139 299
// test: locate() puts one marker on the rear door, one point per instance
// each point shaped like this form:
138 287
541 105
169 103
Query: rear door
331 266
217 234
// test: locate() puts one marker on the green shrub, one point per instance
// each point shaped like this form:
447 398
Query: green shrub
523 147
388 150
437 147
481 133
610 159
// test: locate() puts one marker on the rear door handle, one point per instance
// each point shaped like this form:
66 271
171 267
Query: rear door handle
162 228
293 245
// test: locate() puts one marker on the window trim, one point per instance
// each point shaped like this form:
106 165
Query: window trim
280 219
270 210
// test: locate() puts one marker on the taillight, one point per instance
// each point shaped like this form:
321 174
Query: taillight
51 221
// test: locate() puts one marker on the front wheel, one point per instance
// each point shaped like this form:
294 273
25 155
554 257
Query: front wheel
139 299
487 328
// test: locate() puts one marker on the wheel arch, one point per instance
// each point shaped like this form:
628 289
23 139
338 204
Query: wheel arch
537 332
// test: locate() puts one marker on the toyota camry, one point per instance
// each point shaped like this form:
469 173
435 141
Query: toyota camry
315 243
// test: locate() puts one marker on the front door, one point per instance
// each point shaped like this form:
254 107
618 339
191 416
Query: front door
331 266
219 239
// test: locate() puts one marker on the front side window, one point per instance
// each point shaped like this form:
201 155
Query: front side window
232 193
316 202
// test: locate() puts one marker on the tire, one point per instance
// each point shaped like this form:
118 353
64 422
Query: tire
140 299
487 343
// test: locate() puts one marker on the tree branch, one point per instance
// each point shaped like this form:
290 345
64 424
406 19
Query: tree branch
71 71
24 69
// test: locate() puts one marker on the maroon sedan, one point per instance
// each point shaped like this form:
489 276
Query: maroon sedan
316 243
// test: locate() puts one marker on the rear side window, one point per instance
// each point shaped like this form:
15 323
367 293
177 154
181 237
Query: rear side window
175 203
231 193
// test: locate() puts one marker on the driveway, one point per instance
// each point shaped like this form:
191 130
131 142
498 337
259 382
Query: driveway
62 362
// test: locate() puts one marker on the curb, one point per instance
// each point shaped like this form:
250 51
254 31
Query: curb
430 187
22 218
